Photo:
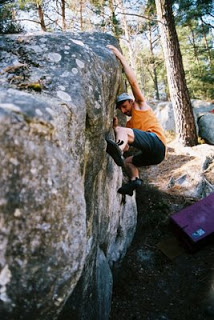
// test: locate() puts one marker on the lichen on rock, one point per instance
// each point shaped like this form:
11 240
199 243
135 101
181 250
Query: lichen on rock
62 222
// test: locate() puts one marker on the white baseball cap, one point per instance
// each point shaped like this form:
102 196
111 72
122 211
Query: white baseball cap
122 97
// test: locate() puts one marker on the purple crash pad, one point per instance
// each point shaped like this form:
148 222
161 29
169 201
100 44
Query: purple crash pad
194 225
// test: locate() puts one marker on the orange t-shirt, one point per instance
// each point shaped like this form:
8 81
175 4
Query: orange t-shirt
146 120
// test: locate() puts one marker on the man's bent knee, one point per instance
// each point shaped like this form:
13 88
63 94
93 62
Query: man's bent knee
129 133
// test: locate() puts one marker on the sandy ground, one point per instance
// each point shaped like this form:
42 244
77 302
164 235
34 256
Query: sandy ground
154 282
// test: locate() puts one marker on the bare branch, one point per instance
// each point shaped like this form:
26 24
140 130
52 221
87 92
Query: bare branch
53 21
155 40
140 16
28 20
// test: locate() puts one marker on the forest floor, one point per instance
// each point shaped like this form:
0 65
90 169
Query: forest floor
158 279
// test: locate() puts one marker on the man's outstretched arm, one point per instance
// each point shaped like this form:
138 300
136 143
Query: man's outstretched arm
139 98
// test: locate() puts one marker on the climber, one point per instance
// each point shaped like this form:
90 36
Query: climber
142 131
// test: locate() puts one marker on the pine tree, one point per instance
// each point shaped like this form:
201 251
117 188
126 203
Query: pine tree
179 94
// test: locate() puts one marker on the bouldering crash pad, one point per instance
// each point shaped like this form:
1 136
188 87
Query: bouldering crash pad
194 225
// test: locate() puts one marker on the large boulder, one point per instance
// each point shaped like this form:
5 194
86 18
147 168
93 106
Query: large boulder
206 127
63 225
165 114
201 107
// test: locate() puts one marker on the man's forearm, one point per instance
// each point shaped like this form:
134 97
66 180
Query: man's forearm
132 79
129 74
128 71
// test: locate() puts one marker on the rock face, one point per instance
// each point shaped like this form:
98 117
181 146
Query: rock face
62 223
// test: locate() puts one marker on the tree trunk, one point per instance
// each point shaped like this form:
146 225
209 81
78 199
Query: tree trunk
194 45
102 13
155 77
81 15
185 125
114 26
63 15
206 43
127 35
41 17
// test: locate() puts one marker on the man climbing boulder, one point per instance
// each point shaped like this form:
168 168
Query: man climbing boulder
142 131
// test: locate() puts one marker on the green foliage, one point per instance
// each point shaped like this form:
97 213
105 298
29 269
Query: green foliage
194 30
22 4
193 23
7 21
189 10
197 60
193 20
26 4
98 3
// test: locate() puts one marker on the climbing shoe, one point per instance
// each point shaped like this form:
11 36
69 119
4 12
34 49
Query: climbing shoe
115 152
129 187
